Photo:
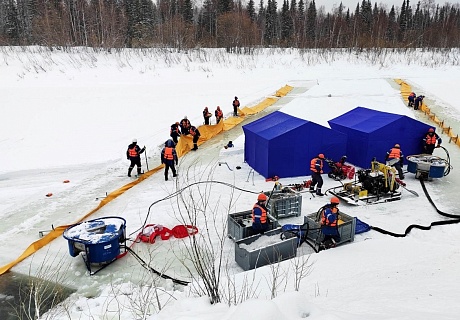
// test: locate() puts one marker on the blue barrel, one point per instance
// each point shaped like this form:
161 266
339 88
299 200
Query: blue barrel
100 239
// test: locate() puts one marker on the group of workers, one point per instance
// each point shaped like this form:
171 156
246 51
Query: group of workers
330 212
329 220
395 157
415 101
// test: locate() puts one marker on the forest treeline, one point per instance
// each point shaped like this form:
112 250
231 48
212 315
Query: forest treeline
226 24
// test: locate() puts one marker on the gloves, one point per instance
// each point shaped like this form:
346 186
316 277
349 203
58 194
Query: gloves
438 146
176 163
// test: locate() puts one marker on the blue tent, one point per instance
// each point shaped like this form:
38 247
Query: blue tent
283 145
372 133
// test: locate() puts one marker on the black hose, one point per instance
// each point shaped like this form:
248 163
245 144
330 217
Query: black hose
149 268
176 193
417 226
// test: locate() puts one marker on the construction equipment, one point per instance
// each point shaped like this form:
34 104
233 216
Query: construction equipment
374 185
340 170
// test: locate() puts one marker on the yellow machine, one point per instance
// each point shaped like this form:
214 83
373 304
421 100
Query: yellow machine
377 184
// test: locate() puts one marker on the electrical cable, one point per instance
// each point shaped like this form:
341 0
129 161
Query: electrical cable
149 268
456 219
176 193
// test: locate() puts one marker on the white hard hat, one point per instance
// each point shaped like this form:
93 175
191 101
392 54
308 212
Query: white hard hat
135 140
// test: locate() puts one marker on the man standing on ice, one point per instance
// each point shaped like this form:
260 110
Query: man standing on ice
134 154
169 158
236 105
316 168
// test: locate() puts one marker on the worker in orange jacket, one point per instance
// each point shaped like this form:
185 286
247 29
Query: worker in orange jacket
169 158
260 221
316 168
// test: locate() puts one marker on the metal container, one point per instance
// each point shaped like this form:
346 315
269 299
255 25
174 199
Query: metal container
239 225
284 203
347 226
278 250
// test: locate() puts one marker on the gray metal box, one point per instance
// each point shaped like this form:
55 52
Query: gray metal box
347 226
277 251
239 225
284 203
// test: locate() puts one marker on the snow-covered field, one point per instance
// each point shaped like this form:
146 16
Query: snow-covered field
71 116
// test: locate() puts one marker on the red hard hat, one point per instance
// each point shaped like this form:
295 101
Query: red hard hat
262 197
335 200
431 130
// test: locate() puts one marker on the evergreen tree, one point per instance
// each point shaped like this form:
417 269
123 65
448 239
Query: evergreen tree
187 11
11 27
225 6
311 23
251 10
390 32
286 21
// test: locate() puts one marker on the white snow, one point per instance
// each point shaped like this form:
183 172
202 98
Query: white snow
71 115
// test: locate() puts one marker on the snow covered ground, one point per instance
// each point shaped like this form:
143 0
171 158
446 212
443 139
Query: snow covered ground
71 116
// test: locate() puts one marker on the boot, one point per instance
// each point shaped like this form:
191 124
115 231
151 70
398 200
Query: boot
195 146
312 189
129 172
318 192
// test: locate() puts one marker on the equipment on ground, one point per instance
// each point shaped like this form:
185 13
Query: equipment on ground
427 166
377 184
340 170
100 241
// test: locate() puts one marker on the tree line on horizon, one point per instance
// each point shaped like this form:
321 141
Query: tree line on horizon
229 24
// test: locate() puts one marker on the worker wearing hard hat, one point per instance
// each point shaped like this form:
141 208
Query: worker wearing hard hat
316 168
395 158
431 141
260 222
133 154
329 224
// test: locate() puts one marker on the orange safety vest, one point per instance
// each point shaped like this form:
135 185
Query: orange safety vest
313 164
133 152
168 155
219 113
263 217
325 221
430 140
395 153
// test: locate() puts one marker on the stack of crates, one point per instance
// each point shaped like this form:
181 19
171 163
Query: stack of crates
284 203
347 226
